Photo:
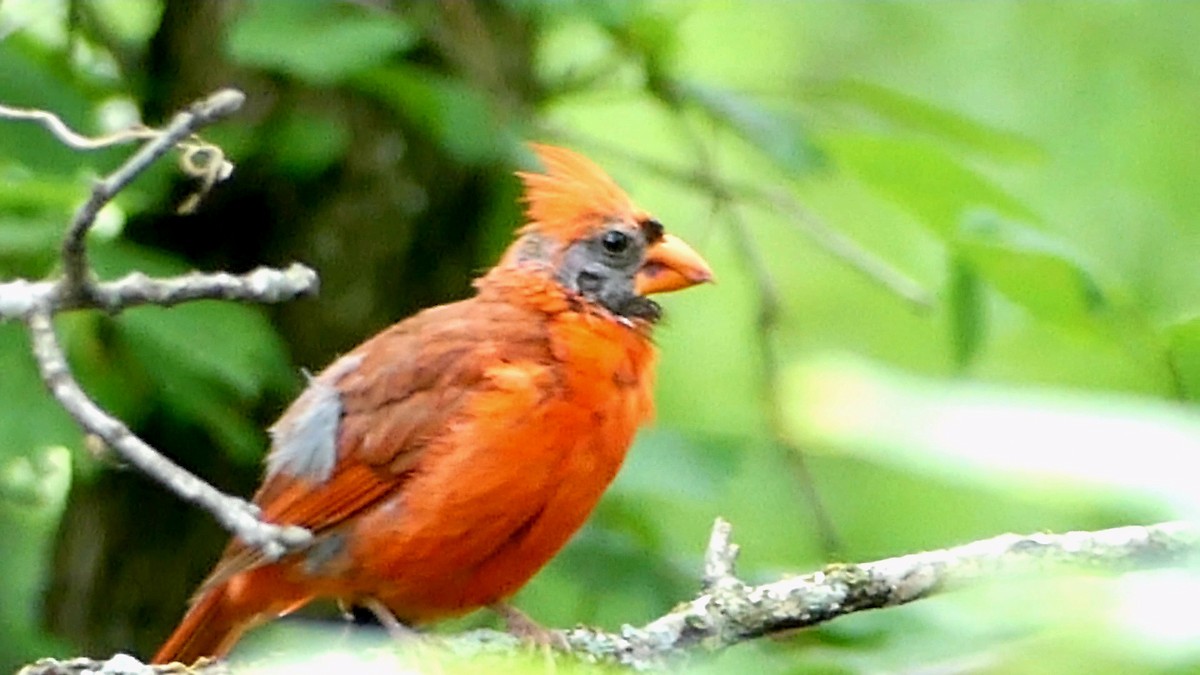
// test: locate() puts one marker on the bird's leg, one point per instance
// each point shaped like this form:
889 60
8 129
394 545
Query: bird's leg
394 627
523 627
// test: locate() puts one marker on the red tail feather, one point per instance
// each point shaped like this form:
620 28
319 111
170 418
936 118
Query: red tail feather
221 613
210 628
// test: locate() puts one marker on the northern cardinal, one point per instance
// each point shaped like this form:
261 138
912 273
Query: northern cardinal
444 461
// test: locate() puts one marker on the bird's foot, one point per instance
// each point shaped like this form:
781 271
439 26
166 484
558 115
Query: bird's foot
527 630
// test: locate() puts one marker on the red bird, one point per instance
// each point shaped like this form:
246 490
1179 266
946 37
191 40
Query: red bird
444 461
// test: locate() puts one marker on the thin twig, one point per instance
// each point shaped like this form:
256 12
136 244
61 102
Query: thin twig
74 251
37 302
18 298
720 558
73 139
735 613
236 515
769 307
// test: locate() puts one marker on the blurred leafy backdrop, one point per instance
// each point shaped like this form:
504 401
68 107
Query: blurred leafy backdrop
957 255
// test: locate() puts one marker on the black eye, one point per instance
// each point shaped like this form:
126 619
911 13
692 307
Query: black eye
615 241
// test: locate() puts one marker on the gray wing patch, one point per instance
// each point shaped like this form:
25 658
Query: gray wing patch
304 440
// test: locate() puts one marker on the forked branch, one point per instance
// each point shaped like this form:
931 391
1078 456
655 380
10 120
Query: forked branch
731 611
36 303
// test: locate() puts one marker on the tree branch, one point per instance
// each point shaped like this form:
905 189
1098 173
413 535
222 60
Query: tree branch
74 252
19 298
236 515
731 612
37 302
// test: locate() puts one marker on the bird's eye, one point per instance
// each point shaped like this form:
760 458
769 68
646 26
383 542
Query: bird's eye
615 241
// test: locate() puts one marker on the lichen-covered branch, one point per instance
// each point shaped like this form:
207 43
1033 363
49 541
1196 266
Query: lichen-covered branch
731 611
36 303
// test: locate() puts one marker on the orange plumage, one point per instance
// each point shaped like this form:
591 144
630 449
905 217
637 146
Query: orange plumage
444 461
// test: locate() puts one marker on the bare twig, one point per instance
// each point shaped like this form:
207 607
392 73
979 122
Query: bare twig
234 514
769 307
199 159
71 138
19 298
735 613
720 558
768 323
74 251
37 302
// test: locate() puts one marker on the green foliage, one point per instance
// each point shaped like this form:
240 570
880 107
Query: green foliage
1031 269
318 42
923 177
1184 351
460 118
306 144
33 489
968 316
32 420
910 114
772 134
33 77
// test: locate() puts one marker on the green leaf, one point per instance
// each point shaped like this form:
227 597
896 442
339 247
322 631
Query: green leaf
241 349
779 138
964 295
34 212
319 42
1032 269
208 361
33 492
666 465
1057 441
1183 345
645 29
30 418
304 144
132 20
102 367
24 193
36 77
913 114
28 246
457 116
924 179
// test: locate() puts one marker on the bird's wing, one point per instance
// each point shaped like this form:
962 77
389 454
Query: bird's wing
360 427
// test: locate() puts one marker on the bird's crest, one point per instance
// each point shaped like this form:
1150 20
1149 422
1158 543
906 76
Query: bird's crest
572 196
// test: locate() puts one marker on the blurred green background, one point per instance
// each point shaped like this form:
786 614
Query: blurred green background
956 245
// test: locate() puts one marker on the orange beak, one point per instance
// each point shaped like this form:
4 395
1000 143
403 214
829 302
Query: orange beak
671 265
